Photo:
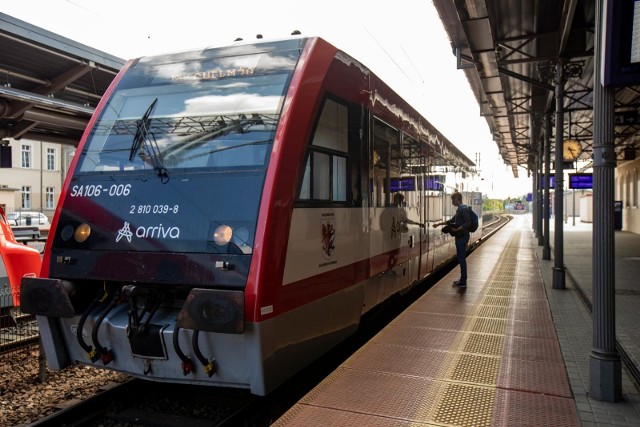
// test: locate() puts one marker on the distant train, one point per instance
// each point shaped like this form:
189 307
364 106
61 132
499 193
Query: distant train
232 212
16 261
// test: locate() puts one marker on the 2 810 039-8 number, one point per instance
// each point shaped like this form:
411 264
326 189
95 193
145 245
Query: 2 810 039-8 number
153 209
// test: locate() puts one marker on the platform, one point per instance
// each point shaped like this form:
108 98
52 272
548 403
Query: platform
486 356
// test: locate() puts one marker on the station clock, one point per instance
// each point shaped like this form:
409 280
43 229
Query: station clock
571 149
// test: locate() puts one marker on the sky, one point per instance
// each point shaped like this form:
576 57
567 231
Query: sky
403 42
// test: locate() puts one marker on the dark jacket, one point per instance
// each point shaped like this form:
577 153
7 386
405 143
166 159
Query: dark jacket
462 218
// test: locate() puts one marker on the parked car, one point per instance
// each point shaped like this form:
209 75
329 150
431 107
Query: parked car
27 218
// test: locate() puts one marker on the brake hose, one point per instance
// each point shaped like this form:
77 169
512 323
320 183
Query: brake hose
209 366
91 352
187 364
106 354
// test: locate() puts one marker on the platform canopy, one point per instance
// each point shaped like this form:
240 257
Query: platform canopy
508 50
49 85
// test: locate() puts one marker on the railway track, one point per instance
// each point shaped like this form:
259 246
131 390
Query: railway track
144 403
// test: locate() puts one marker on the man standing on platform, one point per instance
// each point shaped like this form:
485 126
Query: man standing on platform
459 226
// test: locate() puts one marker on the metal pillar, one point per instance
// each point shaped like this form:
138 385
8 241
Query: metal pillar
539 187
534 203
546 248
605 373
558 247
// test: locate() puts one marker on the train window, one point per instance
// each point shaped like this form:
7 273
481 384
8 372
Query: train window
195 120
305 188
325 173
385 162
321 180
339 178
332 129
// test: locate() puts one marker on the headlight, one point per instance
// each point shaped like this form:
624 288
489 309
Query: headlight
67 232
82 233
223 235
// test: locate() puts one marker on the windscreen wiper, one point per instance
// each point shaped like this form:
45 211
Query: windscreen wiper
142 130
144 137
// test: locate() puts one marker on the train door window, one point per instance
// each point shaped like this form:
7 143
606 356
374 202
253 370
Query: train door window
409 164
385 162
325 172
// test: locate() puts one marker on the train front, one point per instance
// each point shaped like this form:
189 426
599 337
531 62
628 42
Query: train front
154 234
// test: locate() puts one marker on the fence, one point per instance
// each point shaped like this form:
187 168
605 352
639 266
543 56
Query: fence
17 329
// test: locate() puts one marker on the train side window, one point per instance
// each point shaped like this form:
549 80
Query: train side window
385 164
321 177
325 172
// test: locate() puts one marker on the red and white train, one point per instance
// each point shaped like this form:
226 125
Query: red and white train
16 261
232 212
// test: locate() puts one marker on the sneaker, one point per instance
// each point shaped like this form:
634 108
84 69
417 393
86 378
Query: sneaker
459 284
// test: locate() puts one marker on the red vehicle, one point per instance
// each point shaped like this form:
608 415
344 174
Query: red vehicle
232 212
16 261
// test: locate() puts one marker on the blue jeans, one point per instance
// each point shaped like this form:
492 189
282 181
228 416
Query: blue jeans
461 256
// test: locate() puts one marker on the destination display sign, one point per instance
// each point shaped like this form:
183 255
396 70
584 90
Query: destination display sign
407 183
580 181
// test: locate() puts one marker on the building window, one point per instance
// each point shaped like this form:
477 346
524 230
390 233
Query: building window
26 156
627 193
634 193
50 193
51 159
26 197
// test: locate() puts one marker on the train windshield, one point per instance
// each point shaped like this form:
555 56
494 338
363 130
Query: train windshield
168 114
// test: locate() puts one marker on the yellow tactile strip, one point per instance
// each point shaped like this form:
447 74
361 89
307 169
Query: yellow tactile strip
484 344
493 312
489 326
499 292
499 301
470 404
477 369
464 405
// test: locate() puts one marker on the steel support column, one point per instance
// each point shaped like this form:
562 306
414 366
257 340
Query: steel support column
605 373
539 187
558 246
536 201
546 248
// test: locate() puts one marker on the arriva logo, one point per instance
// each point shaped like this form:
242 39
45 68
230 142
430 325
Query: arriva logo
153 232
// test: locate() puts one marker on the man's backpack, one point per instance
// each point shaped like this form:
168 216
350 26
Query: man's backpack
474 220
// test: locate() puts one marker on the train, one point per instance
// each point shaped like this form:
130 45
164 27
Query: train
16 261
232 212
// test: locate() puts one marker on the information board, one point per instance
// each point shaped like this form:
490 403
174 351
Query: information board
580 181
